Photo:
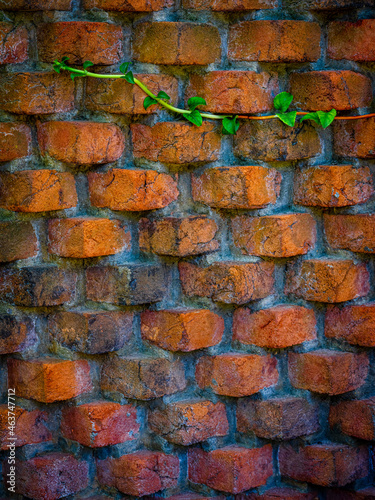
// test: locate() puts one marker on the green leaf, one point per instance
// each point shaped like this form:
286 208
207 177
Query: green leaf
87 64
129 77
326 118
72 76
194 117
124 67
56 66
288 118
149 101
282 101
193 102
311 116
163 95
230 126
64 59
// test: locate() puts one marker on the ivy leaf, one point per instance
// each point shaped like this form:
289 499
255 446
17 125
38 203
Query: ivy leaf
87 64
230 126
282 101
326 118
64 59
149 101
56 66
311 116
288 118
72 76
124 67
194 117
163 95
193 102
129 77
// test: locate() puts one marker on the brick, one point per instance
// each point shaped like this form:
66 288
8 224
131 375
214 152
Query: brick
13 43
332 186
85 237
328 372
353 41
94 332
284 235
128 6
141 473
37 191
131 190
234 91
232 469
182 329
354 324
354 138
324 90
237 187
17 241
327 280
229 5
119 97
143 378
15 141
350 232
50 476
37 286
29 426
36 93
16 334
85 143
276 327
178 236
176 142
271 140
324 464
193 496
355 418
284 494
183 39
274 41
100 43
334 4
279 418
236 375
228 282
35 4
188 422
100 423
48 379
127 285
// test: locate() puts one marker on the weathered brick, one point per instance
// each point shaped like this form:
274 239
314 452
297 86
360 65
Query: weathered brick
29 426
324 464
182 329
232 469
236 375
143 378
237 187
193 496
283 235
36 93
274 41
13 43
281 418
356 418
277 327
35 4
176 142
183 39
351 232
334 4
229 5
353 41
17 241
15 141
327 280
141 473
128 6
81 142
16 334
188 422
282 494
132 190
91 332
324 90
354 324
228 282
48 379
354 138
37 190
332 186
328 372
100 423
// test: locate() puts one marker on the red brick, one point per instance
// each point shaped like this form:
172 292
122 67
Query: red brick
276 328
91 332
178 236
82 142
37 190
17 241
36 93
16 334
35 4
15 141
274 41
232 469
237 187
143 378
234 91
332 186
283 235
229 5
183 39
29 426
324 464
132 190
272 140
51 476
128 6
13 43
48 379
281 418
182 329
100 43
188 422
176 142
351 232
100 423
356 418
193 496
354 324
236 375
327 280
324 90
84 237
353 41
354 138
283 494
328 372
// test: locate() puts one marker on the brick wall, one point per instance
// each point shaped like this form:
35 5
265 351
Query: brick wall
184 314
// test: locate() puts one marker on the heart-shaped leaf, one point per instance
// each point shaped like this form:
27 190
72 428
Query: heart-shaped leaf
230 126
282 101
193 102
163 95
129 77
326 117
87 64
149 101
124 67
311 116
194 117
288 118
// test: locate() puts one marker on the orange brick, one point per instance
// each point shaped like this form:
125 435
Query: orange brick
229 5
15 141
36 4
355 418
13 43
354 324
29 426
351 232
17 241
353 41
16 334
128 6
354 138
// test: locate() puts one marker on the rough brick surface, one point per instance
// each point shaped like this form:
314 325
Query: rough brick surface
29 426
13 43
16 334
354 138
284 494
229 5
17 241
15 141
354 324
356 418
353 41
351 232
35 4
128 6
